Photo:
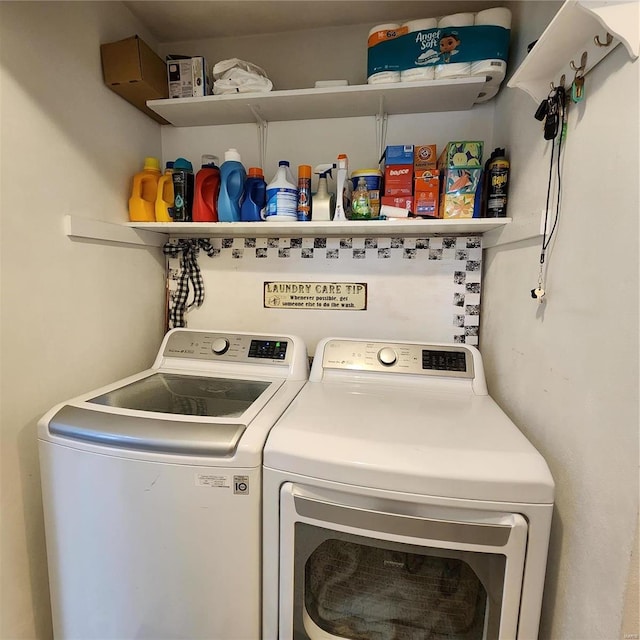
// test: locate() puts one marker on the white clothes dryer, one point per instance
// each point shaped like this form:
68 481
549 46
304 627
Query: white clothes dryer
400 502
152 490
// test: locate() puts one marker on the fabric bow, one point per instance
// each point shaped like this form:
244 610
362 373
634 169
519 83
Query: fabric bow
189 273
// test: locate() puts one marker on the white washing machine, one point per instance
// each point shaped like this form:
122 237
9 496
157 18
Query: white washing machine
401 503
152 490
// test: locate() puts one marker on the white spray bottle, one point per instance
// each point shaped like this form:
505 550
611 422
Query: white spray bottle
322 201
341 177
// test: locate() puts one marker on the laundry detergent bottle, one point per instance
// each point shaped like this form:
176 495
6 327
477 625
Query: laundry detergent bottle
207 189
232 177
182 190
164 197
142 203
255 196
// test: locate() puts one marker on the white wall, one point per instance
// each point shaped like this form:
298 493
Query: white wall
74 315
567 371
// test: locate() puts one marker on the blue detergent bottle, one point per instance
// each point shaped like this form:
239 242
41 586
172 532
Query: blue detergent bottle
232 177
255 196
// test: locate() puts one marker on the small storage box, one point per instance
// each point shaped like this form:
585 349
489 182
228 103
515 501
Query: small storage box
135 72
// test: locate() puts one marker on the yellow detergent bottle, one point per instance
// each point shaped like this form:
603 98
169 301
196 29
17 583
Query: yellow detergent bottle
165 197
142 203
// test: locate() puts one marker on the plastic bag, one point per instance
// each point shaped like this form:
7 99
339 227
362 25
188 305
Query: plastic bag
239 76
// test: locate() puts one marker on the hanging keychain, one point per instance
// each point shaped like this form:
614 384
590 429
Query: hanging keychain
554 113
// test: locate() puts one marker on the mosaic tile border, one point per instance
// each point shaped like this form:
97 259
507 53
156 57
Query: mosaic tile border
465 253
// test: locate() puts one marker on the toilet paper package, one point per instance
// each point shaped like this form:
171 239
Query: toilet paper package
458 46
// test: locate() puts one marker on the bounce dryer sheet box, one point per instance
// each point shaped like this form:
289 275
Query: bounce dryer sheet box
461 154
398 180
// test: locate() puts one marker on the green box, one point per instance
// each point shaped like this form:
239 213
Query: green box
461 155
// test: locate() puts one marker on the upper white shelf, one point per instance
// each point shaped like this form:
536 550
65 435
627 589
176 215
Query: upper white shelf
571 34
334 102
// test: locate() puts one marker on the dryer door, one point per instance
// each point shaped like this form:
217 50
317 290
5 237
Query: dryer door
352 572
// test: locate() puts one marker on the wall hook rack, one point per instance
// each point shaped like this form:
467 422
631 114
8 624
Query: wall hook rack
572 35
606 43
583 63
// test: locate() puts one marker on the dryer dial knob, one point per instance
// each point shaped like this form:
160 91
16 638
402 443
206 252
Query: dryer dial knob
387 356
220 346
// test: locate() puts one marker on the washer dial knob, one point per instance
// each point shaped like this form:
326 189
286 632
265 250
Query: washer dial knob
387 356
220 346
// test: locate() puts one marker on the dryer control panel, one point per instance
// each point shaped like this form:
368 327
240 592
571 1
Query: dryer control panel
417 359
207 345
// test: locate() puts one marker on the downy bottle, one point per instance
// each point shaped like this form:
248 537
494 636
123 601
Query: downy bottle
232 176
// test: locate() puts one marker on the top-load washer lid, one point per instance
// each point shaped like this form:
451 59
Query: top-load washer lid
406 432
185 395
209 393
219 408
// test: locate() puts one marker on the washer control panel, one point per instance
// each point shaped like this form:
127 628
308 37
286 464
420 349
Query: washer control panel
421 359
205 345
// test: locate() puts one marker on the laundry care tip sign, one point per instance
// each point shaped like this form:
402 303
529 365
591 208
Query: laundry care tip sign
328 296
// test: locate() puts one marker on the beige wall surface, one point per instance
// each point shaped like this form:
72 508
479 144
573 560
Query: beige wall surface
567 371
74 315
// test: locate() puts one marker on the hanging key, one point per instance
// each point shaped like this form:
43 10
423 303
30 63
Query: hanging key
577 88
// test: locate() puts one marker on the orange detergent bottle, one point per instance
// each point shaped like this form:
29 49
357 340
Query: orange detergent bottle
164 198
142 203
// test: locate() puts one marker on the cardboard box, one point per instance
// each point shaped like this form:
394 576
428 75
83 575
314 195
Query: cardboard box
426 194
424 157
403 202
461 154
398 180
135 72
398 154
462 180
186 76
458 205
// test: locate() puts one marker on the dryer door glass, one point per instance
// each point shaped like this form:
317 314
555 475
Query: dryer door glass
358 588
186 395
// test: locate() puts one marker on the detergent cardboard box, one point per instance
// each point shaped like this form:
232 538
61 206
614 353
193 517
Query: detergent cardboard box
426 193
398 154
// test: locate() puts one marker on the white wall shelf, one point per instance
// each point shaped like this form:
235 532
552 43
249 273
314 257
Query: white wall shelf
570 34
155 234
350 228
334 102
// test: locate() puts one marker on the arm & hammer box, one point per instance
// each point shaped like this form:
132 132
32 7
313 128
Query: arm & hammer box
133 70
